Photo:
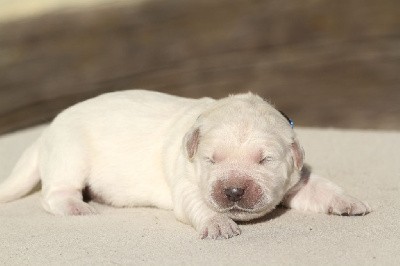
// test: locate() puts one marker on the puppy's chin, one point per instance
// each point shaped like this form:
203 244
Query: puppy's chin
239 214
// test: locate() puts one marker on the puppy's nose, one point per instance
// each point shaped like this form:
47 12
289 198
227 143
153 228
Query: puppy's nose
234 194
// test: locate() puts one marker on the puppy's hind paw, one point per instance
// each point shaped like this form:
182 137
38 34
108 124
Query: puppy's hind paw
219 227
347 205
66 207
79 208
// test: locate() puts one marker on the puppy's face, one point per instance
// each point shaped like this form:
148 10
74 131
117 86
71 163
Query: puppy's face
245 156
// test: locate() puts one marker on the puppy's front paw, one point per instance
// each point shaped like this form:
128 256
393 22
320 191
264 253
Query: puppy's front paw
346 205
219 227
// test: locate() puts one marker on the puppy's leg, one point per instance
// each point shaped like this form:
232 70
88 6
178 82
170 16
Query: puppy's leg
66 201
317 194
63 179
189 207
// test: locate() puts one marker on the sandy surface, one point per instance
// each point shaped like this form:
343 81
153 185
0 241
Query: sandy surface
365 163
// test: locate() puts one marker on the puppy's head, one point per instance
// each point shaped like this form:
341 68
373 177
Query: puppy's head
245 154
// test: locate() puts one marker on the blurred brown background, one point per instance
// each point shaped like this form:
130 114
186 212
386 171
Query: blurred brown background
324 63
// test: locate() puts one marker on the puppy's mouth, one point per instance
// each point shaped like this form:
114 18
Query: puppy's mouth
236 209
238 213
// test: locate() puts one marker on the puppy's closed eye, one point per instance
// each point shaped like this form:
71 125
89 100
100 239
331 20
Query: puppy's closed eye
209 160
266 159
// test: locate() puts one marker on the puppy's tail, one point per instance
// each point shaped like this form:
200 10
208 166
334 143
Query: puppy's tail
24 176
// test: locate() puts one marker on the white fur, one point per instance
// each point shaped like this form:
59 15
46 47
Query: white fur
141 148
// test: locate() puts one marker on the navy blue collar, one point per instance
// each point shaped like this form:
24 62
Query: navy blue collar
288 119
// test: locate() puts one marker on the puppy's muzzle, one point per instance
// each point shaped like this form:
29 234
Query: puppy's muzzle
237 192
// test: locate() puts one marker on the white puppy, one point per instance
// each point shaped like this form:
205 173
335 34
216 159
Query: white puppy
211 161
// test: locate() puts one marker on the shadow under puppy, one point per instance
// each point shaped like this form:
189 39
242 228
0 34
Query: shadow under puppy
212 161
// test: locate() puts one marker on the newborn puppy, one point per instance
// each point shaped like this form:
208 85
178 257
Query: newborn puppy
212 161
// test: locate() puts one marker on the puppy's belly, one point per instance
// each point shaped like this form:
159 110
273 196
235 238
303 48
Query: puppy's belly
123 192
132 181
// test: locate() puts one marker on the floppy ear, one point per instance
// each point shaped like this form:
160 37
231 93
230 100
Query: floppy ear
191 142
297 154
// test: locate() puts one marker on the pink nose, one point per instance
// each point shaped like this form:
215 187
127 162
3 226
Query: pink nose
234 194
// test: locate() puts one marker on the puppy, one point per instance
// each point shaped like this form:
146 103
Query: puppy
212 162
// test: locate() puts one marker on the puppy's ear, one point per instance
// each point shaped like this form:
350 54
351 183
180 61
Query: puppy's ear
297 154
191 142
